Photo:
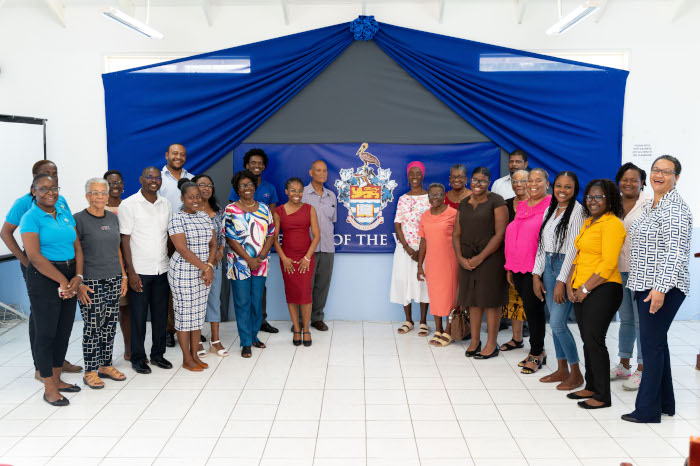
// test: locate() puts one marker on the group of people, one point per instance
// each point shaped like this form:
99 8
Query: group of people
517 250
166 251
512 252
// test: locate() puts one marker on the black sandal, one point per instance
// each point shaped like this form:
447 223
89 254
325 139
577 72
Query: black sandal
307 343
507 347
246 352
259 344
296 342
524 361
538 363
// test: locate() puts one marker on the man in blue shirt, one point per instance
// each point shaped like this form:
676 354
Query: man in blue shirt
255 160
20 207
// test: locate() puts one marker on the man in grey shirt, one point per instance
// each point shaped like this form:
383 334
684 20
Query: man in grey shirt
325 203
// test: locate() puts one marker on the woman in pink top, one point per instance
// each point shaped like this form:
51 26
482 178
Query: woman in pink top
520 249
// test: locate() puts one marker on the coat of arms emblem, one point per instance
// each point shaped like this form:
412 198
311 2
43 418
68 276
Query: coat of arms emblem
365 193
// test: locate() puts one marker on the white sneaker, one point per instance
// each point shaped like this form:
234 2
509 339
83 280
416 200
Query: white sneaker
619 372
632 384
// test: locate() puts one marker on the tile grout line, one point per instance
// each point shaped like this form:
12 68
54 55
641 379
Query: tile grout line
323 396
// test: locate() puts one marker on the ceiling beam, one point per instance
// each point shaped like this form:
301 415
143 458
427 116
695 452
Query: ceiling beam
58 9
520 9
127 6
680 7
601 11
441 11
285 11
208 13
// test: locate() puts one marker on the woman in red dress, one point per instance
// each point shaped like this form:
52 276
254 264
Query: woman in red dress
458 182
296 252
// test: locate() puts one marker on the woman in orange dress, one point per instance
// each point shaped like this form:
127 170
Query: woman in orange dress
436 252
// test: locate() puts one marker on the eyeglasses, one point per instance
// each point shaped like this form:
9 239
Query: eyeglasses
481 182
435 196
457 177
98 193
665 172
115 183
599 198
153 178
247 185
205 185
518 181
45 190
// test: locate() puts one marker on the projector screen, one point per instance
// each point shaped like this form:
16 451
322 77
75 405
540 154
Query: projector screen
23 143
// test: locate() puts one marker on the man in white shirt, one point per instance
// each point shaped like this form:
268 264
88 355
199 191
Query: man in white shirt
173 170
143 224
517 160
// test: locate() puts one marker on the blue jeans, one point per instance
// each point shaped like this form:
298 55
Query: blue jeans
629 323
655 395
564 342
214 299
247 300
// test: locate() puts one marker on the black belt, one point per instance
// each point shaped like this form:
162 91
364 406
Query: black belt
68 262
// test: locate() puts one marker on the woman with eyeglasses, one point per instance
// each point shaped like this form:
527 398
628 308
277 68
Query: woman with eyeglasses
514 310
105 282
53 277
659 277
477 240
214 301
458 183
594 286
631 179
555 254
250 231
116 189
520 251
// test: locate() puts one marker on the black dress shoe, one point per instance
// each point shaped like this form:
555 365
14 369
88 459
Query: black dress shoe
470 354
71 389
630 418
202 338
266 327
483 356
170 340
141 367
59 402
162 363
584 405
320 326
574 396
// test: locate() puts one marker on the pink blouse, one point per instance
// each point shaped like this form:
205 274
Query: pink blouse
522 235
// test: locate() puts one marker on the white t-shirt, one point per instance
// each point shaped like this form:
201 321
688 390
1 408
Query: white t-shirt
147 224
503 187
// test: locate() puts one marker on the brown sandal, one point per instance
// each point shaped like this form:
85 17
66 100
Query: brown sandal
111 373
92 380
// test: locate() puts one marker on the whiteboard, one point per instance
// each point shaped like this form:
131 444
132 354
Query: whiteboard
22 142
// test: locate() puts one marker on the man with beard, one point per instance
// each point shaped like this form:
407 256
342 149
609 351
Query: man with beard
255 160
143 224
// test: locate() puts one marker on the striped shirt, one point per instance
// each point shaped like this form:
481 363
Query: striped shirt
549 242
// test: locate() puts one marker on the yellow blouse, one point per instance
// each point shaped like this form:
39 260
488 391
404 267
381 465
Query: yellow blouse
598 247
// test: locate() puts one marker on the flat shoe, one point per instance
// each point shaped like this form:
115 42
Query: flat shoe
72 368
585 405
574 396
196 368
71 389
203 365
630 418
60 402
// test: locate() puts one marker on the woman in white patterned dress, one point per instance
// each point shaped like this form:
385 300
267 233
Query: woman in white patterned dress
405 286
190 273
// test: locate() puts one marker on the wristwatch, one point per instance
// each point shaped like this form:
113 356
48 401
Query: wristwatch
584 289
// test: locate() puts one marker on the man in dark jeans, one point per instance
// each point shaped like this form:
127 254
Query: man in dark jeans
143 224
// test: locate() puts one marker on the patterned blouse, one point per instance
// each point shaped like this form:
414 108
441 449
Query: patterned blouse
408 213
197 229
660 246
217 222
250 229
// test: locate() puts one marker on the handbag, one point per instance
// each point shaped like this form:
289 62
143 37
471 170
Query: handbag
456 324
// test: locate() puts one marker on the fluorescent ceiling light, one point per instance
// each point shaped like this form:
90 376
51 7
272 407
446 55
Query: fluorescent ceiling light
131 22
581 12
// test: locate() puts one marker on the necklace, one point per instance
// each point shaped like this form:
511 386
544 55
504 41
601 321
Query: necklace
244 205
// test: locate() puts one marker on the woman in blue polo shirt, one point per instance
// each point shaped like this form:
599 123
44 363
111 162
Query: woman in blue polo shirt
53 278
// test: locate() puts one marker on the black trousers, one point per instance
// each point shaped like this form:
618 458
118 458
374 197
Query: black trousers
32 329
51 317
534 310
154 296
593 316
655 394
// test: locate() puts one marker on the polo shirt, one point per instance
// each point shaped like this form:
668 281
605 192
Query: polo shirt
169 189
265 192
56 236
22 205
326 207
147 225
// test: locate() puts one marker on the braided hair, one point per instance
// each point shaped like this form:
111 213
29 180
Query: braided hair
561 230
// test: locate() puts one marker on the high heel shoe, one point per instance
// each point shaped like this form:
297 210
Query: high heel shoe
538 365
524 361
471 354
296 342
492 355
307 343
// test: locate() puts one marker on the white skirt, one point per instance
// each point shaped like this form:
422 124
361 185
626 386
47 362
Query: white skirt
405 286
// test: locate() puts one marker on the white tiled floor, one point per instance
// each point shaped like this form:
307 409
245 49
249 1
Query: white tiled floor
361 395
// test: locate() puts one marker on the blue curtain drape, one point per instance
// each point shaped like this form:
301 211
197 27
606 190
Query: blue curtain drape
563 119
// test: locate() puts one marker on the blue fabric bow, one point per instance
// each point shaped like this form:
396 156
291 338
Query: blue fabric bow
364 27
